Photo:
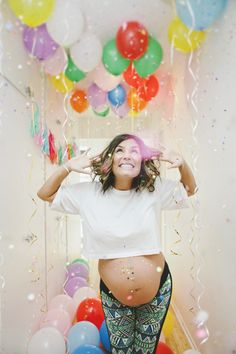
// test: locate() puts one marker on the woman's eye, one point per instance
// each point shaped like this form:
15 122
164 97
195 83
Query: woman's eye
118 150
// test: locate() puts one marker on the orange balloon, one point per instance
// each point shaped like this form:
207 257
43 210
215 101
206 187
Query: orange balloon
79 101
135 102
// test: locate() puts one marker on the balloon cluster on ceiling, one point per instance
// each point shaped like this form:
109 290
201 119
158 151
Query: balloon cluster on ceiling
120 75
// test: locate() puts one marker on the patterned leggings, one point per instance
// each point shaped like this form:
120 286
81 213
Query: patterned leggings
136 329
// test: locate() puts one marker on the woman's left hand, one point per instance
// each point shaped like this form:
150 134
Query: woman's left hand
173 157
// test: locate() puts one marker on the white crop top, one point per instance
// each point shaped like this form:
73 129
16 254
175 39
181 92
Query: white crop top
120 223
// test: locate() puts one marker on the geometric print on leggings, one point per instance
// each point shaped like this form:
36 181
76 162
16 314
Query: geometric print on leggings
149 319
120 322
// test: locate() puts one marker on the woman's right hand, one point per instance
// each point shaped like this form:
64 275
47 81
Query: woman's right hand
80 163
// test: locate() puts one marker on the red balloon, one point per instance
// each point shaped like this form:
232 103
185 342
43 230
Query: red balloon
132 40
90 309
132 77
162 348
149 89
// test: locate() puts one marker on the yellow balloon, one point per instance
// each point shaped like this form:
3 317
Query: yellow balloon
61 83
183 38
133 113
32 13
168 324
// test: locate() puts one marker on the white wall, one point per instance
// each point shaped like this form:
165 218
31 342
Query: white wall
205 232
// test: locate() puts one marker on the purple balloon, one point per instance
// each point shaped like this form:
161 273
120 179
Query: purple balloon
122 110
96 96
38 42
77 269
74 284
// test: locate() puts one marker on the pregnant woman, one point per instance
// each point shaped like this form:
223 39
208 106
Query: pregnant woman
120 210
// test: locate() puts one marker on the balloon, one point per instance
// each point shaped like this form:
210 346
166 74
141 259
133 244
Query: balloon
132 40
38 42
168 324
150 88
200 14
135 102
96 96
112 59
83 85
66 23
83 332
132 77
87 349
103 79
151 60
73 284
87 53
77 269
61 83
80 260
183 38
163 348
117 96
102 111
91 310
56 63
47 340
79 103
105 336
32 13
191 351
83 293
121 111
65 303
57 318
72 72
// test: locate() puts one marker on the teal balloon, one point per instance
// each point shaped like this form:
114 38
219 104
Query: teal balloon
150 61
113 60
72 72
199 15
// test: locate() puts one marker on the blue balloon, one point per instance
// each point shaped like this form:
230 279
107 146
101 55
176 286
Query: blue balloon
117 96
199 14
105 336
87 349
83 332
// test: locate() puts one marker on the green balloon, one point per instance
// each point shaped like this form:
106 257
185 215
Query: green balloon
102 114
80 260
113 60
72 72
150 61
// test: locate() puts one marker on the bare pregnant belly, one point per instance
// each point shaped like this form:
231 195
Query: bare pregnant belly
133 280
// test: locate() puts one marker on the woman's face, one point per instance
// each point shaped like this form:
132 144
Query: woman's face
127 159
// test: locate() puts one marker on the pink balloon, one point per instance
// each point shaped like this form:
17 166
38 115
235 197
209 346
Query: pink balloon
96 96
38 42
58 319
63 302
57 63
73 284
104 79
122 110
85 83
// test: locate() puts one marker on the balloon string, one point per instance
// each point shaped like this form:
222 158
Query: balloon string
195 220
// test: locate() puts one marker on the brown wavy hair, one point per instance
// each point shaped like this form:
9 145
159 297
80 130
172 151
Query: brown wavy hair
102 165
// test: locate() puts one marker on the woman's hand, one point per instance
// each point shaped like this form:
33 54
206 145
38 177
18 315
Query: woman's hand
171 156
81 163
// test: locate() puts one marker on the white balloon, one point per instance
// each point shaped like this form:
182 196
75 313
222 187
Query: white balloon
87 53
66 23
47 340
83 293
